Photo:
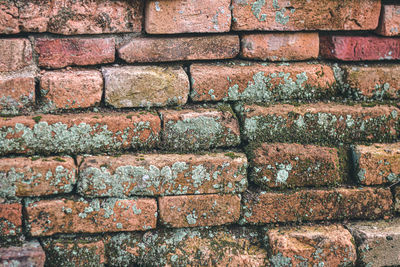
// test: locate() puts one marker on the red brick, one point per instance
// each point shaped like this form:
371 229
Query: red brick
315 205
294 165
16 92
280 46
397 198
195 129
202 210
37 176
356 48
10 219
312 246
79 133
145 86
48 217
77 251
15 53
59 53
377 164
389 24
180 48
260 82
373 81
71 89
28 254
71 17
175 16
320 123
163 174
328 15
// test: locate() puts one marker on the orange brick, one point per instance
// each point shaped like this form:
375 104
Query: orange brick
389 24
328 15
15 54
180 48
71 89
202 210
10 219
315 205
280 46
162 174
260 82
48 217
377 164
175 16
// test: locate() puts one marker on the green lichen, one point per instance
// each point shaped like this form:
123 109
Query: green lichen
256 8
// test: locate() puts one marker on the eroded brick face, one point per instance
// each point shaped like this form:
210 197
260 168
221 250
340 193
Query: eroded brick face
390 21
10 219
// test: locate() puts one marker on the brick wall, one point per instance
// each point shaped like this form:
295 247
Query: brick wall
187 132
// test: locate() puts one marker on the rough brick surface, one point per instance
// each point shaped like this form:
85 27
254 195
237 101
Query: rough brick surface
71 89
48 217
10 219
71 17
397 199
203 210
59 53
373 81
195 129
15 53
280 46
75 252
315 205
217 246
378 242
175 16
260 82
312 246
356 48
294 165
377 164
180 48
36 176
28 254
78 133
333 15
320 123
163 174
389 24
145 86
16 92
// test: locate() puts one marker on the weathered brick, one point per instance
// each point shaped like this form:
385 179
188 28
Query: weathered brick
389 24
329 245
195 129
294 165
71 89
28 254
397 198
180 48
162 174
36 176
319 123
10 219
48 217
272 15
377 164
71 16
378 242
78 133
260 82
280 46
145 86
371 82
217 246
62 52
175 16
70 252
202 210
356 48
16 53
315 205
16 92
